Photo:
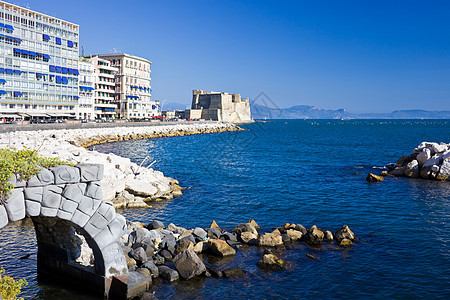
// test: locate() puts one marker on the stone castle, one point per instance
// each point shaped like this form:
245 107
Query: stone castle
219 106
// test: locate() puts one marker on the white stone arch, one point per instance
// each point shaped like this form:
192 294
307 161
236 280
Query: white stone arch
72 195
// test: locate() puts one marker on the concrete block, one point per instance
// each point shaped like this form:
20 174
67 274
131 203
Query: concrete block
107 210
68 205
43 178
122 221
114 259
88 205
64 215
20 183
66 174
74 191
15 205
48 212
33 193
117 229
104 238
90 172
33 208
91 229
80 218
3 217
51 197
94 190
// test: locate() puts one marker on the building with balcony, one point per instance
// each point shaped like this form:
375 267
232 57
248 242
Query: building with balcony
38 64
133 86
105 106
86 82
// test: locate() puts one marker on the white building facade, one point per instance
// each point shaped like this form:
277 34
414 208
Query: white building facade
38 64
133 86
86 81
105 106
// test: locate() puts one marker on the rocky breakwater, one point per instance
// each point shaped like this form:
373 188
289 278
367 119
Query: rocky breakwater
124 183
171 253
427 161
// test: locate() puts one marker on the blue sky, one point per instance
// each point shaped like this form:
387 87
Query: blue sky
363 56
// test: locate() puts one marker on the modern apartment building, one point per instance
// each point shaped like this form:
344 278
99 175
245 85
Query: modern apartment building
133 86
105 88
86 81
38 64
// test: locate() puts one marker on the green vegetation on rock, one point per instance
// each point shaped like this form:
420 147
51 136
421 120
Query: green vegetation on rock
10 288
25 163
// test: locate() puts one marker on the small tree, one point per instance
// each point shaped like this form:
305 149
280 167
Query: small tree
10 288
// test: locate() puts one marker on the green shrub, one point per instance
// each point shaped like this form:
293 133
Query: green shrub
10 288
25 163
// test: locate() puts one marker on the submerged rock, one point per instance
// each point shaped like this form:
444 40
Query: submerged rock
271 261
234 273
374 178
346 242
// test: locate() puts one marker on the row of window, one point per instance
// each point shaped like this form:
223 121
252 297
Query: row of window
59 41
17 95
30 106
46 28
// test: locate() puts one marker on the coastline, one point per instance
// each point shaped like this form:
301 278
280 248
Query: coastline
124 183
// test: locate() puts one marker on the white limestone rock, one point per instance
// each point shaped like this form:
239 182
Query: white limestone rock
423 156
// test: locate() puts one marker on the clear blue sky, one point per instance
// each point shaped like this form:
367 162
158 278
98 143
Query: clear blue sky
364 57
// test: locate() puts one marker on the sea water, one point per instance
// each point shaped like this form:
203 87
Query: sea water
309 172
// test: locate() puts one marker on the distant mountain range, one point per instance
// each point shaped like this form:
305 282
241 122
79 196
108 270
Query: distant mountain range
313 112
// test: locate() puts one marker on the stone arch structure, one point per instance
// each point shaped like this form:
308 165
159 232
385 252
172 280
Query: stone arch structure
66 203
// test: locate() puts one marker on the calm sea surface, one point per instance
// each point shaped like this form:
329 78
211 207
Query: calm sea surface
308 172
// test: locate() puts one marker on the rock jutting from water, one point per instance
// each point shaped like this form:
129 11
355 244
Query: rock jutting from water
124 183
175 253
427 161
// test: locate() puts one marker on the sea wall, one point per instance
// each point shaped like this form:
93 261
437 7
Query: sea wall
124 183
428 161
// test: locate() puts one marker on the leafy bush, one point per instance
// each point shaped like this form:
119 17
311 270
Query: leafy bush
25 163
10 288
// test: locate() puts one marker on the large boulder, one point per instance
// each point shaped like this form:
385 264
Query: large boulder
444 171
423 156
220 248
139 255
244 227
402 161
188 264
412 169
314 235
344 233
214 225
249 238
270 239
140 187
294 235
426 170
168 274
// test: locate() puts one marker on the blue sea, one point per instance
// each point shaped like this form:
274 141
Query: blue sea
309 172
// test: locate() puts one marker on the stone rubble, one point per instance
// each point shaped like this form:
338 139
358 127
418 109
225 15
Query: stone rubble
428 161
124 183
182 254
